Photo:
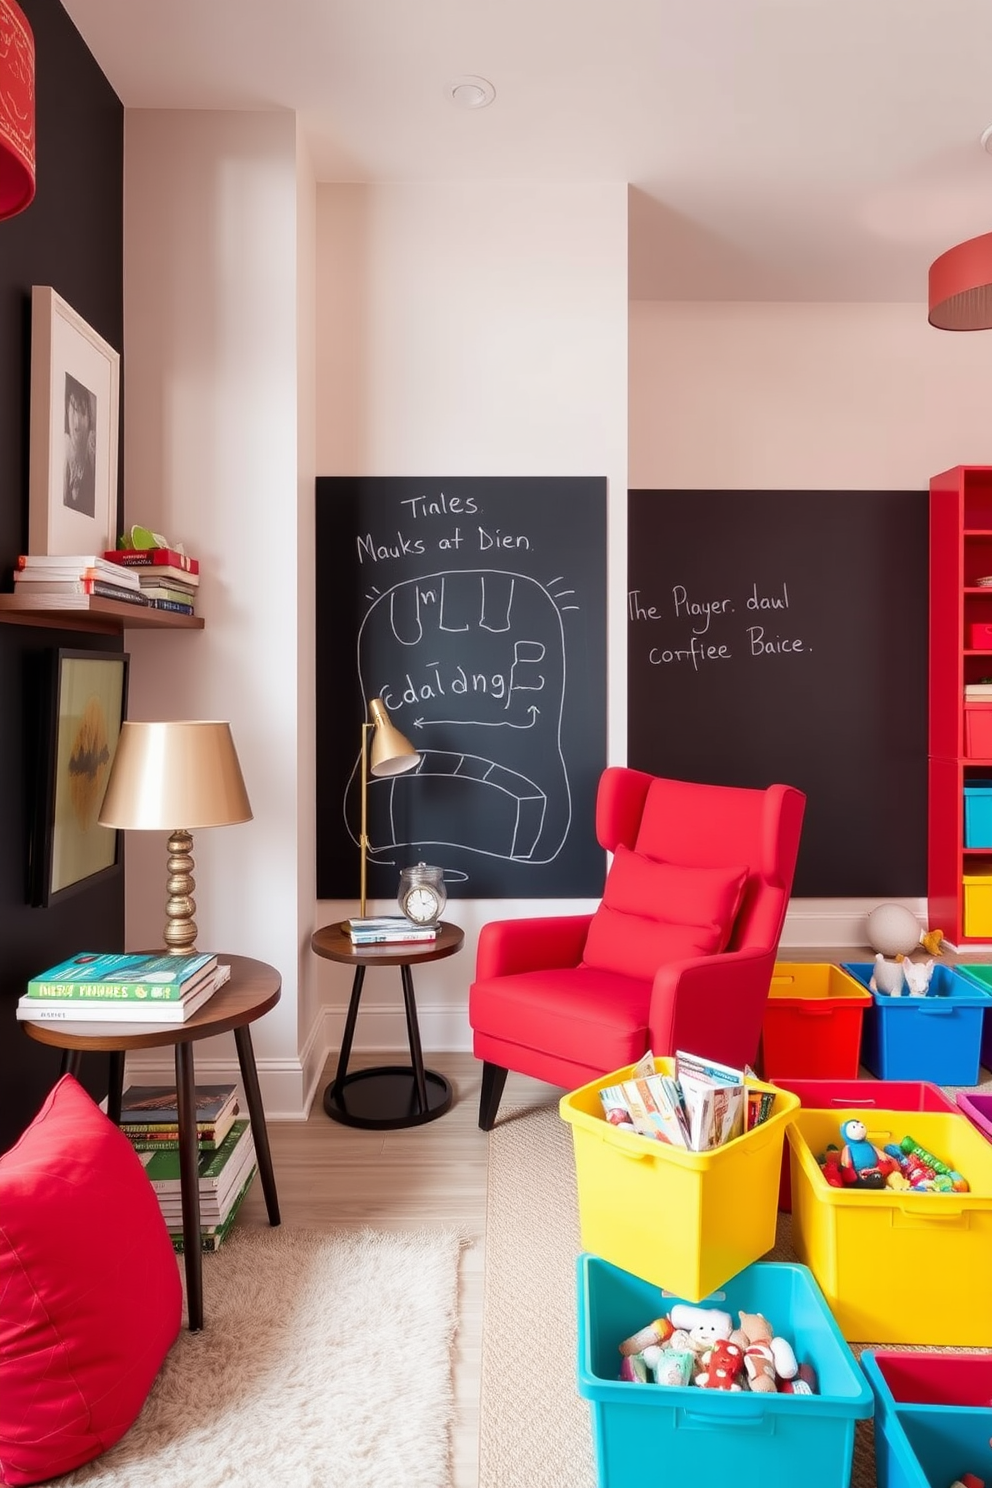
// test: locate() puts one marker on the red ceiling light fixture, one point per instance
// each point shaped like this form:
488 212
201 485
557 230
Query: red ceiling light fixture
16 110
961 281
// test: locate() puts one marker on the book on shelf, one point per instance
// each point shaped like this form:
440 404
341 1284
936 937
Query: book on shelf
32 568
978 690
169 590
65 588
151 1111
122 1010
212 1236
153 558
134 975
173 606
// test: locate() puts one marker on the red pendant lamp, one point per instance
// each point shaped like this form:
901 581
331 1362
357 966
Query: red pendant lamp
961 287
16 110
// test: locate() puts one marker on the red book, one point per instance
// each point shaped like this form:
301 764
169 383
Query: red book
149 557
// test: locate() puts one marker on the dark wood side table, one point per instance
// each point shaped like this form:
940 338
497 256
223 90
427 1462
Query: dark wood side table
252 990
387 1096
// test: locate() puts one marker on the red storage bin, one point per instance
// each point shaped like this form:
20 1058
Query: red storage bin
812 1023
978 733
981 635
883 1095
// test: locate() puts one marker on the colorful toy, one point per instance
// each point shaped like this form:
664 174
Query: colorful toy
939 1169
870 1164
634 1370
931 941
721 1365
888 976
918 975
804 1383
659 1331
767 1358
705 1325
673 1367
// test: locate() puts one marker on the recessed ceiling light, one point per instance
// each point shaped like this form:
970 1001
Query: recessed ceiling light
471 92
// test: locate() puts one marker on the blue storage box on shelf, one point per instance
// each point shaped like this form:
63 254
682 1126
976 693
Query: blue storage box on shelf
978 813
933 1420
936 1038
684 1434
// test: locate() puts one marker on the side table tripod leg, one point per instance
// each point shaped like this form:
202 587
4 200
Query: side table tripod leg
349 1030
189 1181
115 1086
256 1114
413 1036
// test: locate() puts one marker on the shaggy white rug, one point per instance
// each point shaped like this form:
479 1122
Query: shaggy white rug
325 1361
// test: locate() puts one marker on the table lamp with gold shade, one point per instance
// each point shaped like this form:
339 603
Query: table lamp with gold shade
176 777
391 754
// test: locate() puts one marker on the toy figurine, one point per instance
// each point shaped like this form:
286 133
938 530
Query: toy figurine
869 1162
918 975
887 976
721 1365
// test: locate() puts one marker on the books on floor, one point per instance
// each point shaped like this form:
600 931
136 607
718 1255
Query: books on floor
102 1006
225 1175
150 1116
384 929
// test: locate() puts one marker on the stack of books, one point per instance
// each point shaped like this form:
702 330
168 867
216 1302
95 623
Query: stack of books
227 1163
386 929
166 578
978 692
154 987
47 580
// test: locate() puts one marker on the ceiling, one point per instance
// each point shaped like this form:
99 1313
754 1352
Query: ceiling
776 149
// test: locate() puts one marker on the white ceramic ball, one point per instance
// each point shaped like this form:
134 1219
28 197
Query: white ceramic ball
893 929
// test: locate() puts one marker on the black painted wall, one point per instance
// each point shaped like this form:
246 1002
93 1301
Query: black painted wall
71 237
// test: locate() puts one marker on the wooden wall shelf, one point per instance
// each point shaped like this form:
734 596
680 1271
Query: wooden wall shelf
88 612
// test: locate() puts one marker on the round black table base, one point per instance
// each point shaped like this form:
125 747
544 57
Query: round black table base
385 1098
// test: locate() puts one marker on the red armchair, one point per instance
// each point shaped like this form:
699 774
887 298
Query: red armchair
679 954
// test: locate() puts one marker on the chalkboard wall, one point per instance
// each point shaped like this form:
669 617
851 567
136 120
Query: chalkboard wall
476 609
782 636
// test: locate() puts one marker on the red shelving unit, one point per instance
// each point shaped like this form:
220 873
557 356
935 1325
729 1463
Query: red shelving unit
960 732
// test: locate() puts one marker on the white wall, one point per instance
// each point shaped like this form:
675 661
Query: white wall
471 329
796 396
218 413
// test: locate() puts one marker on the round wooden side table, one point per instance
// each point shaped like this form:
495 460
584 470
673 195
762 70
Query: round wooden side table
253 988
387 1096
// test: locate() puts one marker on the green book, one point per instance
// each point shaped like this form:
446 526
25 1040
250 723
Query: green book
216 1169
138 977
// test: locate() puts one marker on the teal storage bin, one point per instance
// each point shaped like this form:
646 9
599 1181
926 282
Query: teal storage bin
936 1038
978 813
931 1425
648 1433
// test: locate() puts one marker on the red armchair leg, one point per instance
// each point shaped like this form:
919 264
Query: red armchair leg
493 1080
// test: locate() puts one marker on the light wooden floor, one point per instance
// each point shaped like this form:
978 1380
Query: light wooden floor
329 1176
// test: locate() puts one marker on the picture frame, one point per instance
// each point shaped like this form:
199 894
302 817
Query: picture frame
74 431
82 704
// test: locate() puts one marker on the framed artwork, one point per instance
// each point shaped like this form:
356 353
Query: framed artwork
75 423
82 708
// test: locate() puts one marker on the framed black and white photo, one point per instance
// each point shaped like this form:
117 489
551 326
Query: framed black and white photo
75 424
83 702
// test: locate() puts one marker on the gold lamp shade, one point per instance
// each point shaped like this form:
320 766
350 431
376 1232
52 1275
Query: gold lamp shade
391 753
174 777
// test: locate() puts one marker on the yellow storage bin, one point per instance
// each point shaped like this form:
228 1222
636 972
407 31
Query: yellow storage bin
683 1221
897 1267
978 904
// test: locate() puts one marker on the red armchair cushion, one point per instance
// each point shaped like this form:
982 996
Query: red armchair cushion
653 912
90 1295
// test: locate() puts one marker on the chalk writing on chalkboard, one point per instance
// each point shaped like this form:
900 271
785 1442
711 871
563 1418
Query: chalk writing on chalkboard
477 609
781 636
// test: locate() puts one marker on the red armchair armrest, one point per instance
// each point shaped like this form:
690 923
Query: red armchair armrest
712 1005
508 947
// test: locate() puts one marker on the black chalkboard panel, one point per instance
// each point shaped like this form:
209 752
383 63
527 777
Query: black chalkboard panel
476 609
782 636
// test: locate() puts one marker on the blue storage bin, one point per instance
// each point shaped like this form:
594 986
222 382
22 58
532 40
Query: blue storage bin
936 1038
689 1435
978 813
919 1444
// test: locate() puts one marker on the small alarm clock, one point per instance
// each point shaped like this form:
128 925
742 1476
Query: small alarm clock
422 895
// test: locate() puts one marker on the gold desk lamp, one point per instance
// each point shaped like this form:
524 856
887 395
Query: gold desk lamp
164 774
391 754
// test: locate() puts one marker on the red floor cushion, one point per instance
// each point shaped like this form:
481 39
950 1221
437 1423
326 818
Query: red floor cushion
90 1295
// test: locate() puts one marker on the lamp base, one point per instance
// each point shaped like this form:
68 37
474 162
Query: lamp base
180 906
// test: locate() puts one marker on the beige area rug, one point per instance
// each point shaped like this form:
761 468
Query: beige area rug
534 1426
326 1362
